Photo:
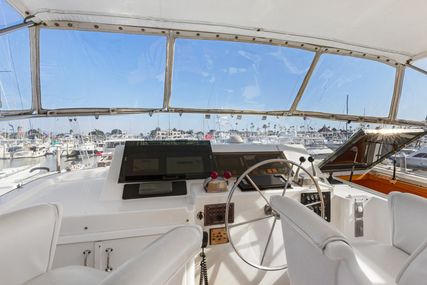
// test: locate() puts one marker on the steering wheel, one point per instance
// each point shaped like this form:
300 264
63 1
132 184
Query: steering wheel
268 210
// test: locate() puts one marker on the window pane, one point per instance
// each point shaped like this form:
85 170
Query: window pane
80 69
8 15
15 72
421 63
368 85
231 75
419 155
413 101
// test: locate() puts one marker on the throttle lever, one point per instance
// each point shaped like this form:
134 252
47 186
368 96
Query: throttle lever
301 160
311 160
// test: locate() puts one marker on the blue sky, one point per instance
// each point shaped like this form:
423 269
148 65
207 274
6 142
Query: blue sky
89 69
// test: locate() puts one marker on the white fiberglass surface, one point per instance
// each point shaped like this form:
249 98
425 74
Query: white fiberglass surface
232 75
413 100
81 69
367 84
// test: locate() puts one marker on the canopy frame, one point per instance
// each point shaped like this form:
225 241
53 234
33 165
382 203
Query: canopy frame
171 35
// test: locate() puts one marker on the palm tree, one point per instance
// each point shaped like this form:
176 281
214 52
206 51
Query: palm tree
116 132
265 128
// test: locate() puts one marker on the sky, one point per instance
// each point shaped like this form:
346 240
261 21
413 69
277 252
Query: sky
90 69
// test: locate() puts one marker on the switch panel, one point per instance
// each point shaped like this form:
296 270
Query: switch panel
215 214
219 236
314 199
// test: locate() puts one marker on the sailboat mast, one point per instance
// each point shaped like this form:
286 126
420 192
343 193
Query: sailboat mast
346 124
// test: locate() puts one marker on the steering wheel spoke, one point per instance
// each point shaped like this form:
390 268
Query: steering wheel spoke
249 221
256 188
287 180
268 241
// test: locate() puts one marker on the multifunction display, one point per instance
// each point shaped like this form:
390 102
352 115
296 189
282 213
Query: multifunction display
165 161
237 163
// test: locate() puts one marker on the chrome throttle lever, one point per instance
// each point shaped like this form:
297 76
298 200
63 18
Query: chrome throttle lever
311 160
301 160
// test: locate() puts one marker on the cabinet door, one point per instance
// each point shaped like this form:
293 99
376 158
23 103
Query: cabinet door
73 254
122 250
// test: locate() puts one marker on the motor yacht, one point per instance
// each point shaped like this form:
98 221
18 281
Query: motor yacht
188 211
415 159
30 151
11 177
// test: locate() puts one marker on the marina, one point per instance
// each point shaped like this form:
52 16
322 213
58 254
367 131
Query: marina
49 161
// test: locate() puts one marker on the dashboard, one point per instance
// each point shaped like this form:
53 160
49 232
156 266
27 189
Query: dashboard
161 168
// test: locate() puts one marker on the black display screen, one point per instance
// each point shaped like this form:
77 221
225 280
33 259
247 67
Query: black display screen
165 160
237 163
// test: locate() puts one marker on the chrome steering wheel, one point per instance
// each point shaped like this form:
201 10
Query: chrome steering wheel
268 210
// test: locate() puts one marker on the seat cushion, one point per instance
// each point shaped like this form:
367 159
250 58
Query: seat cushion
70 275
380 262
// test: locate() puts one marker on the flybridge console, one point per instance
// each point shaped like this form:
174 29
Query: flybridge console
145 169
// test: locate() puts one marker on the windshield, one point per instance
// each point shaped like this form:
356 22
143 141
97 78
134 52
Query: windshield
8 16
232 75
349 85
15 75
171 83
81 69
414 96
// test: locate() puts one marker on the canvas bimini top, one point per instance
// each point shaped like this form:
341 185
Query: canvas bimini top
393 29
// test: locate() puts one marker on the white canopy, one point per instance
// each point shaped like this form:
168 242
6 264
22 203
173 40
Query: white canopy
394 29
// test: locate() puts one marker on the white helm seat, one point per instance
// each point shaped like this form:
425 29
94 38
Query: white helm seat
317 253
28 243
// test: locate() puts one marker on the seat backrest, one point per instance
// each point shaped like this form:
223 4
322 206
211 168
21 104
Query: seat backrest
407 216
316 252
163 261
27 242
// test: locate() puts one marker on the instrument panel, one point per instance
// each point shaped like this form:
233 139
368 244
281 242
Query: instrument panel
237 163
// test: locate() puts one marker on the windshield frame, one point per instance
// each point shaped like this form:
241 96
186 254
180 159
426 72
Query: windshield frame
172 35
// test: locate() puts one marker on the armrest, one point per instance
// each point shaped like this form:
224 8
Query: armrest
312 244
414 270
407 217
160 261
310 225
